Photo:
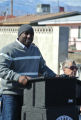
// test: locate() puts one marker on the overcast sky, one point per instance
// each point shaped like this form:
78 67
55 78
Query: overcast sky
28 6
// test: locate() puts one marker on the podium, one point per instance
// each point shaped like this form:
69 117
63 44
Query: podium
52 99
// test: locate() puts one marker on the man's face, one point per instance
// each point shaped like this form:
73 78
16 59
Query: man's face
26 38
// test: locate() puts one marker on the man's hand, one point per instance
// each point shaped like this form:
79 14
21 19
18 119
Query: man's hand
23 80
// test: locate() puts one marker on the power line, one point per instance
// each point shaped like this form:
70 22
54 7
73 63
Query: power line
11 7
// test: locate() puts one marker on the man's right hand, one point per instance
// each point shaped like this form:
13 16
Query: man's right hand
23 80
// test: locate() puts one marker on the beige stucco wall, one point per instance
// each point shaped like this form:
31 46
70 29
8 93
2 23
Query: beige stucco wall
52 42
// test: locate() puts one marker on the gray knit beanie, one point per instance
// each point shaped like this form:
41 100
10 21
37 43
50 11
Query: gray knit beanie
24 28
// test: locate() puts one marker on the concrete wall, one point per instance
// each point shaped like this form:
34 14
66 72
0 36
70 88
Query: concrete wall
73 38
52 42
74 32
7 35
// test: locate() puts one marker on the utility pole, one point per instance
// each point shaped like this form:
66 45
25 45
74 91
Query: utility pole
58 5
11 7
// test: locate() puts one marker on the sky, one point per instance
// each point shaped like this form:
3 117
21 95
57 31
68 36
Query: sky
23 7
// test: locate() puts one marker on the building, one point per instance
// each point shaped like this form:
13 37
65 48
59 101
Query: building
61 9
43 8
74 24
6 17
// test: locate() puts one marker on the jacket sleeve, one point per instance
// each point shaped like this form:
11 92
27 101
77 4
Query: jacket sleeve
45 70
6 71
